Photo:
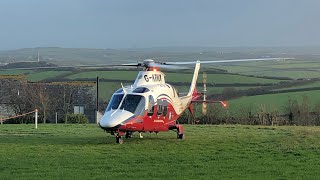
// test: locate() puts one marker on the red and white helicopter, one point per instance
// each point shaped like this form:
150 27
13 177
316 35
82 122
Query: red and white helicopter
152 105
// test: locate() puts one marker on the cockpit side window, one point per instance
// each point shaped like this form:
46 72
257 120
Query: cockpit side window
159 102
151 106
115 101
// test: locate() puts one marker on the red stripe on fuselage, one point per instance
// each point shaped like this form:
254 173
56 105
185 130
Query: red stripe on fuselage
152 123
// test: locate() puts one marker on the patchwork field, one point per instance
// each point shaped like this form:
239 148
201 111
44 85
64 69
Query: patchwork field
275 101
209 152
39 76
291 68
269 74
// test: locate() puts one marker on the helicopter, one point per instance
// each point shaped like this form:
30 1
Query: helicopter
152 105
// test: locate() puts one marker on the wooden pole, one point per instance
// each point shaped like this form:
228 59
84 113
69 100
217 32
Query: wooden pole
56 117
204 91
36 118
97 99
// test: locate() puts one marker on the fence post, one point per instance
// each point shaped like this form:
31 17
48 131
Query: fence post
36 118
56 117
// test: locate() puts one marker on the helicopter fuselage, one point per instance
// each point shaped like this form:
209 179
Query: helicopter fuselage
149 105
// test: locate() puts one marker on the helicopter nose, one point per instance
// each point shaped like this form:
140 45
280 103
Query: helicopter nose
113 118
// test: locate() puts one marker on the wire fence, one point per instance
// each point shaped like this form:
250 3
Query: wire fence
29 118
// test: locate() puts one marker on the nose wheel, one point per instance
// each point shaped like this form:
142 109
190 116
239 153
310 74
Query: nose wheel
119 139
129 135
180 136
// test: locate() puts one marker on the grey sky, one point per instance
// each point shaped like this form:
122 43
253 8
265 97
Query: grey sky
147 23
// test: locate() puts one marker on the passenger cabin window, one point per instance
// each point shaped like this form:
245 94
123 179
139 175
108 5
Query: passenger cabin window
151 106
159 102
165 107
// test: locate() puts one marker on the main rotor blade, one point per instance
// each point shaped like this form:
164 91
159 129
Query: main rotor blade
97 66
228 61
165 66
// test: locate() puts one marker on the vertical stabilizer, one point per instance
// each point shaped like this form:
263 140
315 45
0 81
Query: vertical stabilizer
194 79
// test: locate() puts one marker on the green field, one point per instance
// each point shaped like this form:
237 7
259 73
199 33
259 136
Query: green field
15 72
209 152
291 74
116 75
309 85
292 69
172 77
39 76
274 101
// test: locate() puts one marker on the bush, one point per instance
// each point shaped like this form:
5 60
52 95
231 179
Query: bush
77 119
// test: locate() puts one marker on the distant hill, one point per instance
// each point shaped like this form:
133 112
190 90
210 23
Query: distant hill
27 65
72 56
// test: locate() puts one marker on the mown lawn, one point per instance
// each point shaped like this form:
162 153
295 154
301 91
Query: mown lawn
209 152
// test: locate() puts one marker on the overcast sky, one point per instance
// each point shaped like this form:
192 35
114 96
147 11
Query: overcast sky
153 23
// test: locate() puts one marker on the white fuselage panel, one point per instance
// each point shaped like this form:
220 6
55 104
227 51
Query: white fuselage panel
146 78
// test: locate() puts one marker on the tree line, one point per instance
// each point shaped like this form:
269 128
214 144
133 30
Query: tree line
21 97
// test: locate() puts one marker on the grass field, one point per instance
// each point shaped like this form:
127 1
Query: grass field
275 101
34 77
310 85
209 152
292 69
172 77
117 75
15 72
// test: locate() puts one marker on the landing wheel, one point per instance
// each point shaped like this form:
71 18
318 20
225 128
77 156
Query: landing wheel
180 136
119 140
128 135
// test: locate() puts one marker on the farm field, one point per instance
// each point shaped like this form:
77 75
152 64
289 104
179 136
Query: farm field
309 85
172 77
15 72
208 152
39 76
293 69
275 101
291 74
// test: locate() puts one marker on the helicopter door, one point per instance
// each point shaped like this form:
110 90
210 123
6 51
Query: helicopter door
151 114
162 111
